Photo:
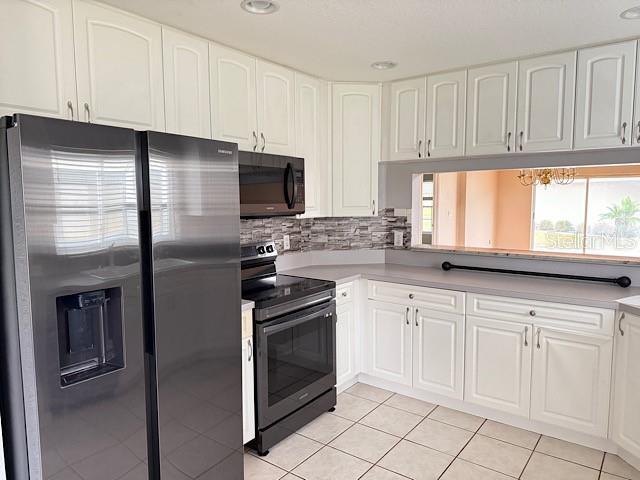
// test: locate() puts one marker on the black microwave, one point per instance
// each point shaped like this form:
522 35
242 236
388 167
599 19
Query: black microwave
270 185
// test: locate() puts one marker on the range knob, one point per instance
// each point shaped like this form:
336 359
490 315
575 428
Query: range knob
269 248
260 250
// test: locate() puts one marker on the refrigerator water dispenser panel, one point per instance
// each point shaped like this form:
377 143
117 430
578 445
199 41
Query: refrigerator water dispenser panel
90 341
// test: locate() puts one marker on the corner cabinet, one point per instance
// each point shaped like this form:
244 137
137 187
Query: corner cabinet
38 70
626 397
491 109
407 119
604 96
356 148
109 42
186 84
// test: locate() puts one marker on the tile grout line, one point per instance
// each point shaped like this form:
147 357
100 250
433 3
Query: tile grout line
530 456
465 446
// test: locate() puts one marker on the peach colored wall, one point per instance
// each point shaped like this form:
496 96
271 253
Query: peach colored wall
446 221
480 209
513 216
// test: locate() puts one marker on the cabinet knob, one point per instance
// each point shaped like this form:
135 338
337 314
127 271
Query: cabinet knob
344 294
532 313
411 295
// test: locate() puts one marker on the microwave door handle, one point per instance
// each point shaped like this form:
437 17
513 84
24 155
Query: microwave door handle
289 173
327 312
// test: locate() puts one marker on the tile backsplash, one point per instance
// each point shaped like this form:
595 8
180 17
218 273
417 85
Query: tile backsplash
331 233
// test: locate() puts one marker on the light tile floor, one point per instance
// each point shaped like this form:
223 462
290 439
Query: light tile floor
375 434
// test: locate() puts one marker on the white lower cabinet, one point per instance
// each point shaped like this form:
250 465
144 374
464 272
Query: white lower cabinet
388 342
248 407
438 345
571 380
346 369
498 364
626 398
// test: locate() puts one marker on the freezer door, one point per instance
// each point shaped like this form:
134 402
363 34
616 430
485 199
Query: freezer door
194 218
77 280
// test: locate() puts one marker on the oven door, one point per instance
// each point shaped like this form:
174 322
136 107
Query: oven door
295 361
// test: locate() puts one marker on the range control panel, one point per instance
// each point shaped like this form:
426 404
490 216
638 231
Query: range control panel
259 251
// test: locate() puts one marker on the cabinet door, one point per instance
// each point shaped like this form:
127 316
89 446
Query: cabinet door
604 94
119 67
345 343
571 380
248 408
498 364
276 103
491 109
311 123
37 74
186 84
407 119
356 149
388 342
438 345
636 118
233 97
626 398
446 105
545 102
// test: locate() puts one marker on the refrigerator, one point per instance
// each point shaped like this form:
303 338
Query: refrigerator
120 303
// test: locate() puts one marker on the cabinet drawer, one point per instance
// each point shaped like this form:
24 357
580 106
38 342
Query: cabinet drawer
344 293
560 315
432 298
247 323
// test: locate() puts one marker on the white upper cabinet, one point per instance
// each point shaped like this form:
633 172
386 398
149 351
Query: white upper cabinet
233 97
387 333
604 96
491 109
446 105
626 398
186 84
438 346
571 380
498 364
545 103
356 148
407 119
276 107
119 67
311 126
636 117
37 73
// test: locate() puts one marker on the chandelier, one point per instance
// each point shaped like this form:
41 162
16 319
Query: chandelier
545 176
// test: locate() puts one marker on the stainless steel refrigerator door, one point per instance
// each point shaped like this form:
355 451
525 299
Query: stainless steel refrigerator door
75 222
194 203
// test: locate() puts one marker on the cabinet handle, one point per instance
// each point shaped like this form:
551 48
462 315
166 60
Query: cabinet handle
429 148
250 350
419 147
538 339
521 137
87 111
624 133
417 310
373 207
70 107
264 142
255 141
526 332
620 325
508 141
406 316
638 139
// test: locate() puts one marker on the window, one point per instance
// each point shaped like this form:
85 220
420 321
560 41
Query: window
594 215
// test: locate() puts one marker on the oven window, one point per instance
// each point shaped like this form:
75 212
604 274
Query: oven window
299 356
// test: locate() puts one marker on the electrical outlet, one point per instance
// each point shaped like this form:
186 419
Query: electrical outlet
287 242
398 238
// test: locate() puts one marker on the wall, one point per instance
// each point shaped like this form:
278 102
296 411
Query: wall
513 216
481 203
335 233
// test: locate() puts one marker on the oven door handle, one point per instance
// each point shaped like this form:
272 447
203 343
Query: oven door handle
289 173
327 312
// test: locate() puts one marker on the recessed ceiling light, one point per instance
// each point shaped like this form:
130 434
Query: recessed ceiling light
631 13
386 65
259 7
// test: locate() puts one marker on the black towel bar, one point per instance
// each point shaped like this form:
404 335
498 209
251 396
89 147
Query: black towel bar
623 282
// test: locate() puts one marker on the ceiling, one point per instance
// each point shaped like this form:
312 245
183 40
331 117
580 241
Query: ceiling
339 39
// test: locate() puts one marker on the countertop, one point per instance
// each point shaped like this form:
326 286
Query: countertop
550 290
247 305
631 305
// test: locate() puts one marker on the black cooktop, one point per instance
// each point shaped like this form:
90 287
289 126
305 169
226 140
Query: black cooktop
276 289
